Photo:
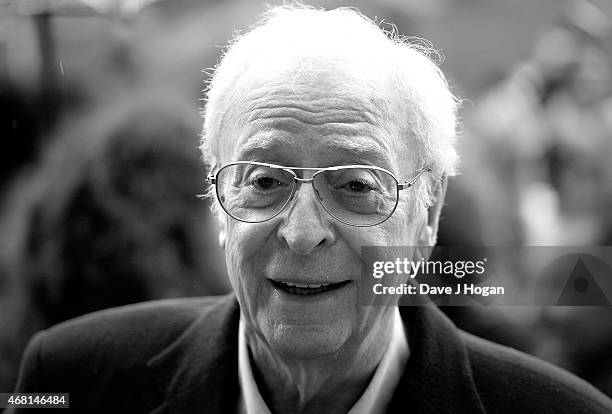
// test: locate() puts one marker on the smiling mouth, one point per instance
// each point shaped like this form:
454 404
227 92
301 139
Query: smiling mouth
304 289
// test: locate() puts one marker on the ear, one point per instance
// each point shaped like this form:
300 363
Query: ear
222 234
429 233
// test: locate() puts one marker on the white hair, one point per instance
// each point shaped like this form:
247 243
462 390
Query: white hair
428 111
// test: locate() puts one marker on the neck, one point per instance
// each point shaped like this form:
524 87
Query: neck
331 383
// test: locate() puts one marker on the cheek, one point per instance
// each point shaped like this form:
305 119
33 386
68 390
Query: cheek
244 243
245 256
399 230
404 228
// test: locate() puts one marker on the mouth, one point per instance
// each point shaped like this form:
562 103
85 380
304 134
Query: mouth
307 289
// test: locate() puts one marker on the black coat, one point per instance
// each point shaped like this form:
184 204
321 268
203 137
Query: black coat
181 356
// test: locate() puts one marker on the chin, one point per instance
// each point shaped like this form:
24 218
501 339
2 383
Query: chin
307 342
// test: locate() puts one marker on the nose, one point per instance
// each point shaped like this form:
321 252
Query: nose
306 227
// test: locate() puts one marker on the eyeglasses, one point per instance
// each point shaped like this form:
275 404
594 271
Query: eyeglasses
357 195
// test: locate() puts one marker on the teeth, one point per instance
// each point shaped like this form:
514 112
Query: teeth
306 289
307 285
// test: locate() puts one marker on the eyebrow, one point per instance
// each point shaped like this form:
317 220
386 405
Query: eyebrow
360 151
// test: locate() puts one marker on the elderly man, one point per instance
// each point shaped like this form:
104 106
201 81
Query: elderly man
325 134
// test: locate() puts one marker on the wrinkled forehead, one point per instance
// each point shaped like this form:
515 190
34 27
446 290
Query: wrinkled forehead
313 107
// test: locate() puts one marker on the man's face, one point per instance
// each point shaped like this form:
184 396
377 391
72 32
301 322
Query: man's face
317 122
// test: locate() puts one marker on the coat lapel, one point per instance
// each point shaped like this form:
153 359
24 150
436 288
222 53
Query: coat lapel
438 377
198 373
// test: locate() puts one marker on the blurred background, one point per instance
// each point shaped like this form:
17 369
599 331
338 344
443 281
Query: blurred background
99 119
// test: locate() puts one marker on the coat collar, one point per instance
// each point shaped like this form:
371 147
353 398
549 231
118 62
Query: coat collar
199 371
438 378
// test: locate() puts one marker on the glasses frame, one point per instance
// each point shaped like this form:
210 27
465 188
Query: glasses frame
400 185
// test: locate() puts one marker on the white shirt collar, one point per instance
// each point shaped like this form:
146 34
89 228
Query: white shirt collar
375 398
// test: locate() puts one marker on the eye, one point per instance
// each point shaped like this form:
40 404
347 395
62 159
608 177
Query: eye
265 183
357 186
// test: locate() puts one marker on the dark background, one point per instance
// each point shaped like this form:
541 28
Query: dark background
99 168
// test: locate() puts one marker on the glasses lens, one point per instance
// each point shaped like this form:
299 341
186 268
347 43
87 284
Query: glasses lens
357 196
253 193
